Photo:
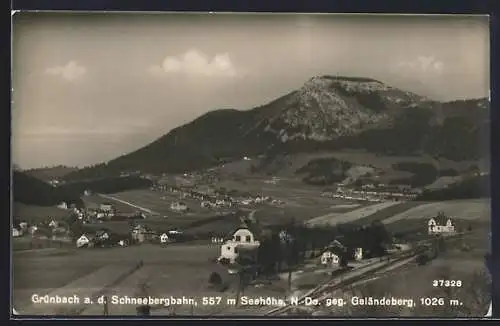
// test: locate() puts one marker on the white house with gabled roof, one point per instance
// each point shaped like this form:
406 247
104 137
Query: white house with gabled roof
441 224
244 238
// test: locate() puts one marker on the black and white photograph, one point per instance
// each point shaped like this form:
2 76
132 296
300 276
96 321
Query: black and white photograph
250 164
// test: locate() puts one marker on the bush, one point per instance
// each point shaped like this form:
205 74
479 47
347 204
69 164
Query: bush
224 261
422 259
215 279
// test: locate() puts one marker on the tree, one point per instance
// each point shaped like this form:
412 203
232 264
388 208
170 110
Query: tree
76 229
215 279
343 262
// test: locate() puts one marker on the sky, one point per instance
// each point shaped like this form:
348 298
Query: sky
90 87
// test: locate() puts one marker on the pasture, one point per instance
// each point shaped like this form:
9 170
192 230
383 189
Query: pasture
172 270
158 202
473 209
352 215
94 201
387 212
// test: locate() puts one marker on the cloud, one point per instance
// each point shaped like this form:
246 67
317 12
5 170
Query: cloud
422 65
71 71
194 62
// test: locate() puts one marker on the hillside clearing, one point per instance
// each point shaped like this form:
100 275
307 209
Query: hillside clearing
474 209
351 216
387 212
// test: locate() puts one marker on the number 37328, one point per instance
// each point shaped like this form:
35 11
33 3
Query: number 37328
447 283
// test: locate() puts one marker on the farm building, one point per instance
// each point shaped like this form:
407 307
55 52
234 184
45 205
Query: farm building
328 257
62 205
139 233
246 238
178 206
23 225
358 253
440 224
53 224
106 207
32 229
102 234
164 237
16 232
85 240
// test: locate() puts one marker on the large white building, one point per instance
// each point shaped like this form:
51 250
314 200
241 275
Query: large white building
440 225
244 238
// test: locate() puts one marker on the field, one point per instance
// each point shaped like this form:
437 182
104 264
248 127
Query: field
175 270
28 243
43 271
387 212
93 201
300 203
474 209
158 202
35 214
351 216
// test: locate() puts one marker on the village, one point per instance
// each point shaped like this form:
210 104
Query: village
250 251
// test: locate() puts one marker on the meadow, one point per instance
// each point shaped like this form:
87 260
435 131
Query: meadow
351 216
473 209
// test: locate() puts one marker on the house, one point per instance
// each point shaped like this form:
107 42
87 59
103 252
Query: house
164 237
440 224
178 206
85 240
33 229
106 207
53 224
206 204
62 205
329 257
358 254
16 232
139 233
246 237
102 234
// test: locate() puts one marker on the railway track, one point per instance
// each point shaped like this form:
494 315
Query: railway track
372 270
324 291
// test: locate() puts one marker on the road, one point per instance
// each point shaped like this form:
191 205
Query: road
128 203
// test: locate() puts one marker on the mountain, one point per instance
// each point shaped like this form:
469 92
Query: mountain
327 112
